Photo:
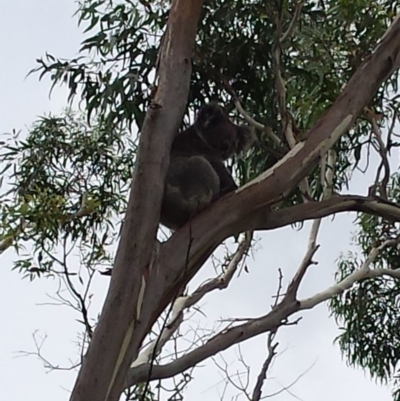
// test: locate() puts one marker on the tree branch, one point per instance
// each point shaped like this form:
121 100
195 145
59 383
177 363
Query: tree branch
216 344
293 22
265 220
363 273
257 393
327 185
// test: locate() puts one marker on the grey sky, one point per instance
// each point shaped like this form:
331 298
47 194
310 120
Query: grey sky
28 29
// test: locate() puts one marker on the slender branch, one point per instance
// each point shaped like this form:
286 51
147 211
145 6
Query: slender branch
229 377
363 273
293 22
84 210
383 152
256 396
327 175
256 124
39 354
306 262
225 278
286 116
79 299
246 115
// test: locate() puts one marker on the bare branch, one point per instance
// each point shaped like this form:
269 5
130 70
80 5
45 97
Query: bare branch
225 278
39 354
246 115
229 377
218 343
286 115
263 374
254 123
79 298
286 388
307 261
349 281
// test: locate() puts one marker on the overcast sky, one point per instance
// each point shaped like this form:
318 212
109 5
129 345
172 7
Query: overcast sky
28 29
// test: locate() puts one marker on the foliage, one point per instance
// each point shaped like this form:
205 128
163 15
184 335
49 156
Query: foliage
370 312
69 183
68 180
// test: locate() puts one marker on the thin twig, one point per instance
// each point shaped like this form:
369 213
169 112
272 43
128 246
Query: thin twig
263 373
293 22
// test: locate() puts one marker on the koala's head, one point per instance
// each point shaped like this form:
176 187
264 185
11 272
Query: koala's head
220 133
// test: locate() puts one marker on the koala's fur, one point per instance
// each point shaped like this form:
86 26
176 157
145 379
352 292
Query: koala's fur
197 175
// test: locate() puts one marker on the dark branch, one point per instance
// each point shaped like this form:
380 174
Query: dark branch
268 220
216 344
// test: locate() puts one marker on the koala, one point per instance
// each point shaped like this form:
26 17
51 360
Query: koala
197 175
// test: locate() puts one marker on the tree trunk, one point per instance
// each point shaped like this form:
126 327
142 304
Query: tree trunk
119 334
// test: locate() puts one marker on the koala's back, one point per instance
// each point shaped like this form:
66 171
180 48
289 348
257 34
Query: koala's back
191 185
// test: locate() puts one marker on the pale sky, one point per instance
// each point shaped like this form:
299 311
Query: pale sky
30 28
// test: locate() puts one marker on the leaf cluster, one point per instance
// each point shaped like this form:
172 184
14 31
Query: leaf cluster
369 313
68 181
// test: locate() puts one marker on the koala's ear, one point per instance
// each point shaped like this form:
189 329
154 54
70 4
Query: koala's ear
209 114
